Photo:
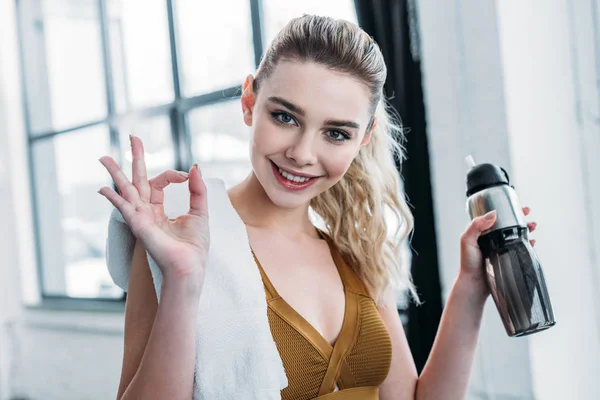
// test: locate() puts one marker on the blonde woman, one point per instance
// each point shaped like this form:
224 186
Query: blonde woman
322 137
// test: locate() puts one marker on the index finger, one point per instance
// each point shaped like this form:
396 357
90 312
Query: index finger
161 181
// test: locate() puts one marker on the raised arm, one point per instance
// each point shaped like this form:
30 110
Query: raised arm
448 368
159 357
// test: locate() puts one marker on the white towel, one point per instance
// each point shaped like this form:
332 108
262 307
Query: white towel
236 357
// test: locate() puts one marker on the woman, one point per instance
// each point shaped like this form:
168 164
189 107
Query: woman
321 137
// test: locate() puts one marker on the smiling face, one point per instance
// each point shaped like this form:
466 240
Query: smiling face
308 125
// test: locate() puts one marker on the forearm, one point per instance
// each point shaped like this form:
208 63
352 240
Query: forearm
167 367
446 373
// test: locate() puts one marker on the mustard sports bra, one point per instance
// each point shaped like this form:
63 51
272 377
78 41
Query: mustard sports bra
358 362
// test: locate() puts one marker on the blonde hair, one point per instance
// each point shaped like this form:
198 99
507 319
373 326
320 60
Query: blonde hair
354 209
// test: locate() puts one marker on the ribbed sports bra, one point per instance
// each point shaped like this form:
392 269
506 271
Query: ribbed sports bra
358 362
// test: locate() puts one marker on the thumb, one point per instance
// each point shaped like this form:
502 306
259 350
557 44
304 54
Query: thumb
478 226
198 193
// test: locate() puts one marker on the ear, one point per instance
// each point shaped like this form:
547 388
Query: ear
248 99
368 135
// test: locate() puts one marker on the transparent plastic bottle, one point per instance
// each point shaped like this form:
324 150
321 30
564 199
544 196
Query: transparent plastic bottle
513 270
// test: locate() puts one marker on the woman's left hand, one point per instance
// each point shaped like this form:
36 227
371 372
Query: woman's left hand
471 259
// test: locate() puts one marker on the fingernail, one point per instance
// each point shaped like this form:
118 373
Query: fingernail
490 215
184 174
198 168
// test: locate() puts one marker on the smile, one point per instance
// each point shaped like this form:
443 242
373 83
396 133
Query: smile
290 181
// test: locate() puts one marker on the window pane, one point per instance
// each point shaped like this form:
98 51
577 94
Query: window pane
140 53
220 141
73 217
63 63
215 42
275 16
159 152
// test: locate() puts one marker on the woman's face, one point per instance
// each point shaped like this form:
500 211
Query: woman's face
308 125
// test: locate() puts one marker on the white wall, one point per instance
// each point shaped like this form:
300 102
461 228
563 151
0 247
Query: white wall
514 83
543 88
67 355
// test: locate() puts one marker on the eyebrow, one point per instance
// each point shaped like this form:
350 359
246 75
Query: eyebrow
288 105
300 111
340 124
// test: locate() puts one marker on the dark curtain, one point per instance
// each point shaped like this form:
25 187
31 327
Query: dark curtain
392 23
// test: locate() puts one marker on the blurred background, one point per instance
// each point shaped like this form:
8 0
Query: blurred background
512 83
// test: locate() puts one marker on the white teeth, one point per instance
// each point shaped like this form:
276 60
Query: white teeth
291 177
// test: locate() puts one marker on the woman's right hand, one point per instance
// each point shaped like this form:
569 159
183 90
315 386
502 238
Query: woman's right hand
179 246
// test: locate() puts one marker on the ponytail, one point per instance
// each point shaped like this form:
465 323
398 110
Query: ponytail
357 211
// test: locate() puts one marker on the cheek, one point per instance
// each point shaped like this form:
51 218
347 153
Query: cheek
337 161
267 138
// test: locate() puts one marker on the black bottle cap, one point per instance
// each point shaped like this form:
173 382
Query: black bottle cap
483 176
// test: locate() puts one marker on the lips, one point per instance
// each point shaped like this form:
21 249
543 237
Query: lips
299 174
291 185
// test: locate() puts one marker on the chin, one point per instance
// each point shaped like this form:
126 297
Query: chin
287 201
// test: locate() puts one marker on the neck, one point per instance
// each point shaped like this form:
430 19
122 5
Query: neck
256 210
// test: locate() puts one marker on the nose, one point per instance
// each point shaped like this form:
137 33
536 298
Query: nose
302 152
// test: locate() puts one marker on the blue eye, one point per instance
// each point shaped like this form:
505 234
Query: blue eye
283 118
337 136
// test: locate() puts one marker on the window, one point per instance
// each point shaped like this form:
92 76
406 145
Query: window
169 71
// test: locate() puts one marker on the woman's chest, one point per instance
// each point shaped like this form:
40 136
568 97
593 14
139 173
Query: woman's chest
306 277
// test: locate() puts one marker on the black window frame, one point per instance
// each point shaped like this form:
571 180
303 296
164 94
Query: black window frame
176 110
